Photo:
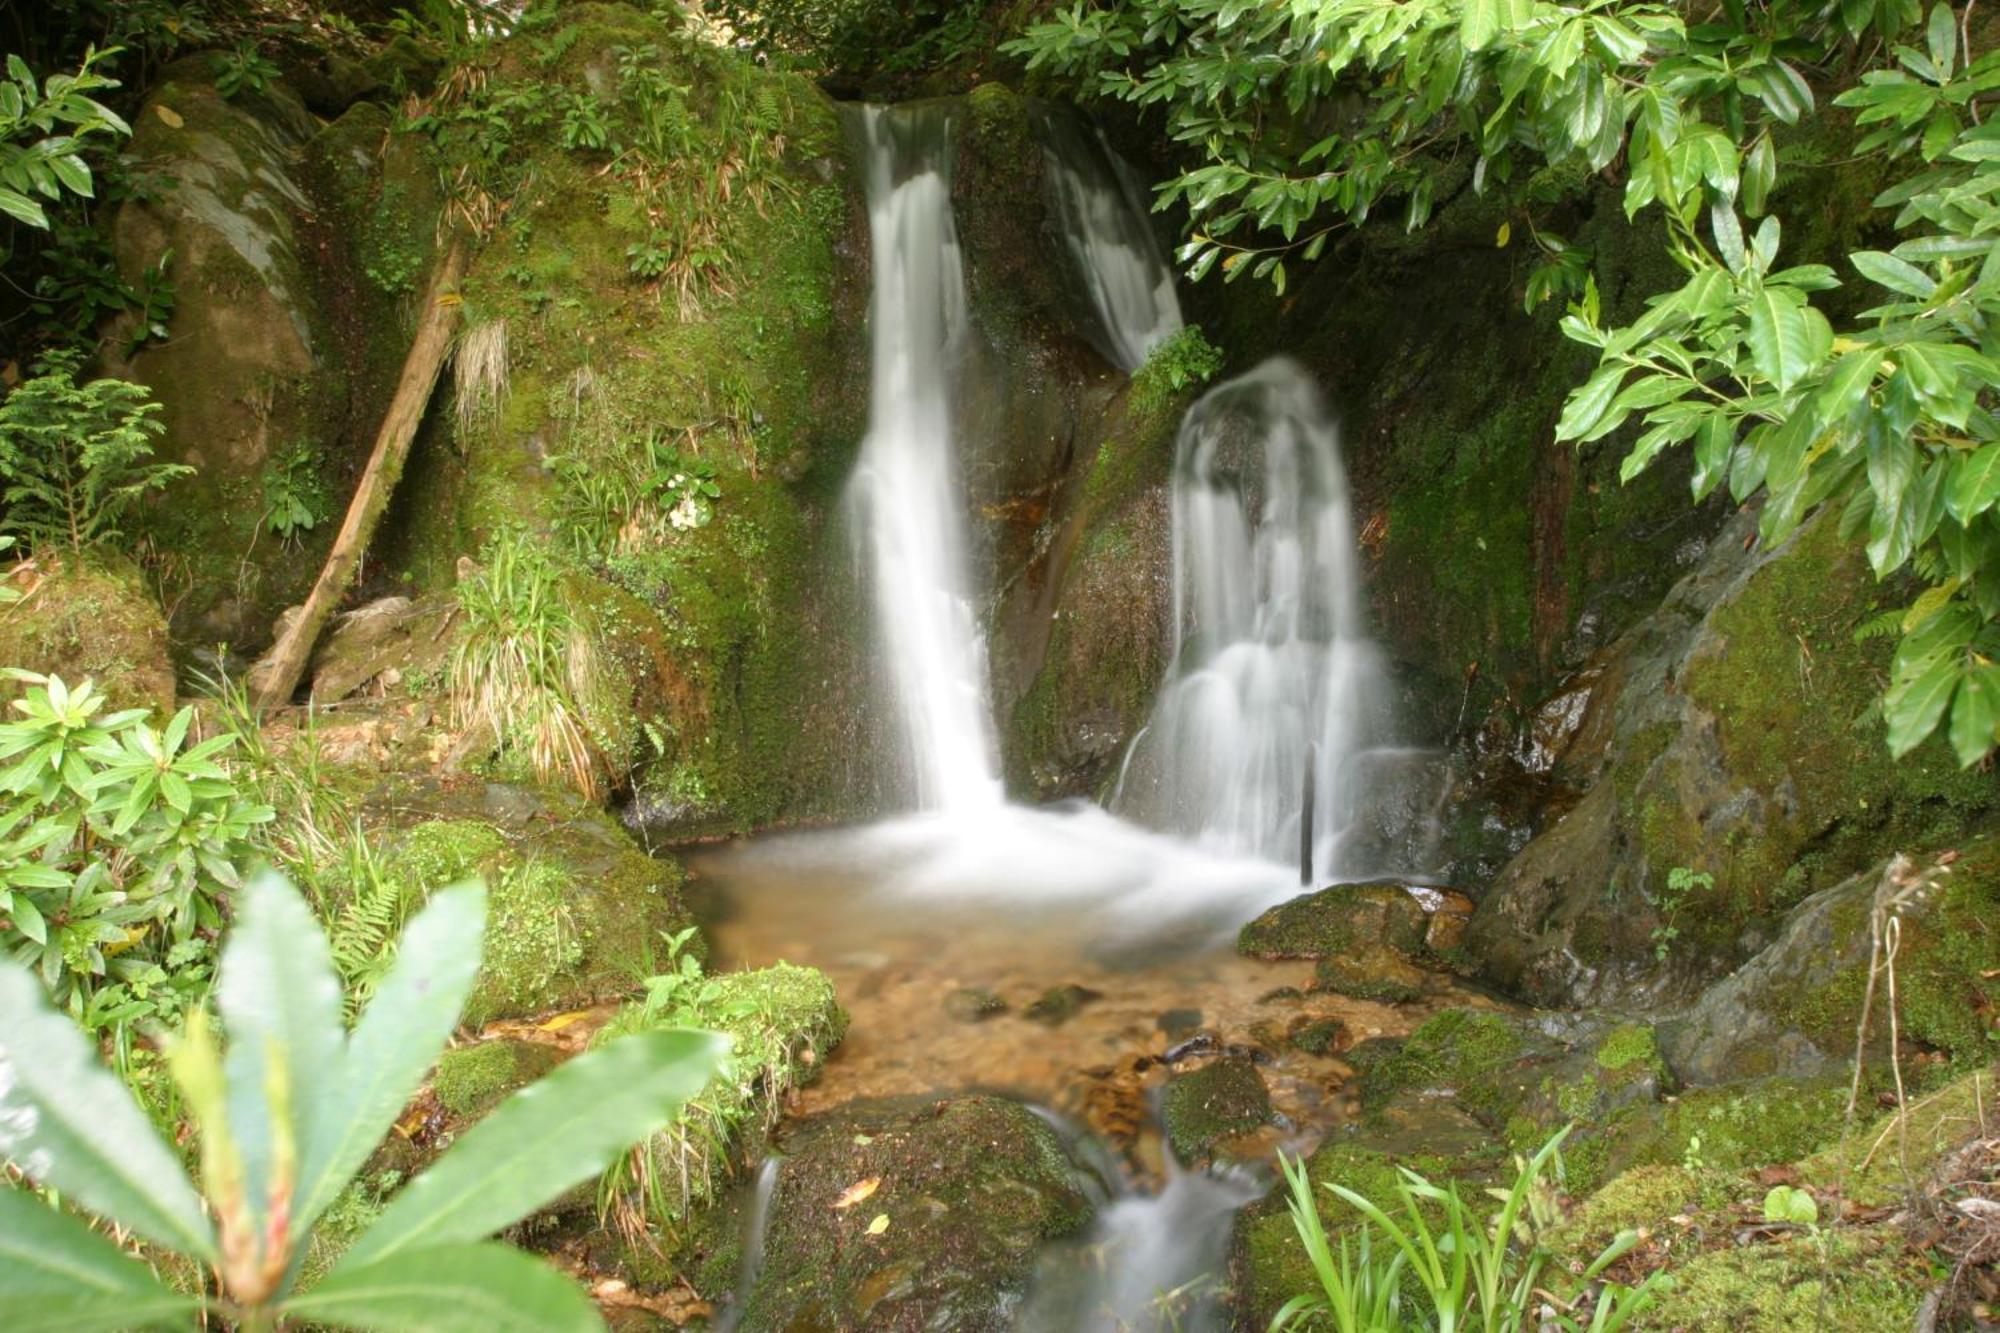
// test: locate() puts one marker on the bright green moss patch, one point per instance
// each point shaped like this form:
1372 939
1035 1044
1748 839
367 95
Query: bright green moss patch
1887 1159
1211 1104
1868 1279
1469 1051
89 619
1628 1047
471 1080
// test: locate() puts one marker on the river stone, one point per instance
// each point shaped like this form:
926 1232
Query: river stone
972 1005
971 1188
1216 1102
1343 919
1058 1004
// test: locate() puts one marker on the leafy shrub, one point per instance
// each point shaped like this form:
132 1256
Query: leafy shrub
1187 360
242 69
75 458
116 840
288 1117
1467 1272
43 129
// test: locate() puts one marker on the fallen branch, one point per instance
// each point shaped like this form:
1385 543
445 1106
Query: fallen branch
279 673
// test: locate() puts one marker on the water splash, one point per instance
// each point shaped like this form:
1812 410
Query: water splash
905 494
1273 668
1102 213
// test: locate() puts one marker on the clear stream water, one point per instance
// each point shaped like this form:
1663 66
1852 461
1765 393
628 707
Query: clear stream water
969 891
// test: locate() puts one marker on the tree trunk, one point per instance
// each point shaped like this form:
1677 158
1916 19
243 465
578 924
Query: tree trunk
278 674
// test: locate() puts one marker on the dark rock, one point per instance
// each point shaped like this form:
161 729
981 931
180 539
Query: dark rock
1177 1023
1216 1102
1201 1043
972 1005
1320 1036
972 1188
1378 975
1058 1004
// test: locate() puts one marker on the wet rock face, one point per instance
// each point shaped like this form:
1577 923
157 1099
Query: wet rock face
971 1187
1729 762
1378 941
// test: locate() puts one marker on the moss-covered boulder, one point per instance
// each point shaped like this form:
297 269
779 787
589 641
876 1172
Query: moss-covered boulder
689 311
1203 1109
281 353
575 907
913 1214
1342 919
90 618
1742 769
1793 1009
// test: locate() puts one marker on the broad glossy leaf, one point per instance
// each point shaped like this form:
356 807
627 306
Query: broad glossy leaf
70 1124
1586 406
1975 484
1897 275
280 1001
59 1276
1913 704
1479 24
397 1040
1975 715
1780 337
482 1287
547 1137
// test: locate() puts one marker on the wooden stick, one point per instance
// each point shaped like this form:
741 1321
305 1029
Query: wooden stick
278 675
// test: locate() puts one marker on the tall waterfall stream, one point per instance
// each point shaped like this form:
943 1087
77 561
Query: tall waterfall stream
970 894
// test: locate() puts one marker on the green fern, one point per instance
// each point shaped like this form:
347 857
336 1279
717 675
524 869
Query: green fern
363 935
1885 626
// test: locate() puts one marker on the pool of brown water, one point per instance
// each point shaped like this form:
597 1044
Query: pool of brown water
1051 998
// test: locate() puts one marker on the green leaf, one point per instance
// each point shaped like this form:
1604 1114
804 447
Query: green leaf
1586 406
1975 484
59 1276
1780 337
1479 24
1941 36
70 1124
1896 274
1914 703
1975 717
482 1287
549 1136
397 1040
280 1001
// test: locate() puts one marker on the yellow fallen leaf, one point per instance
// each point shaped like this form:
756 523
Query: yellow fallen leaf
879 1225
858 1191
169 116
1505 234
561 1021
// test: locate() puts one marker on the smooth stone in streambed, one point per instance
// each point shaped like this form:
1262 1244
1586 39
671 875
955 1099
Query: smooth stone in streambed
1217 1102
1058 1004
973 1005
1339 920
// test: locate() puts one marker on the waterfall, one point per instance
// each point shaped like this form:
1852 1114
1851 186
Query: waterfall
905 493
1102 212
1272 666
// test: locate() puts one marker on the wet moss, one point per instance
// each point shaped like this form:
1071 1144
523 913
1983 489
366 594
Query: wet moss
1214 1103
1470 1051
1867 1278
1888 1159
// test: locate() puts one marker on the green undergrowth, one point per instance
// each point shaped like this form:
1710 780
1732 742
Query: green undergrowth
783 1021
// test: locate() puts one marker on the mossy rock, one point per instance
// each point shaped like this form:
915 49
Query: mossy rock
1488 1061
1337 921
1639 1200
971 1186
89 618
1203 1109
1886 1160
574 906
1868 1278
1793 1009
472 1080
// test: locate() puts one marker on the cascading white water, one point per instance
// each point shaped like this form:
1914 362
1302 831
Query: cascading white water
1272 668
1103 217
905 489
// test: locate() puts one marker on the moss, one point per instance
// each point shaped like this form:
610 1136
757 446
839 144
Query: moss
1336 921
471 1080
1639 1200
1749 1125
1866 1279
1468 1050
1216 1102
90 619
1882 1162
761 376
